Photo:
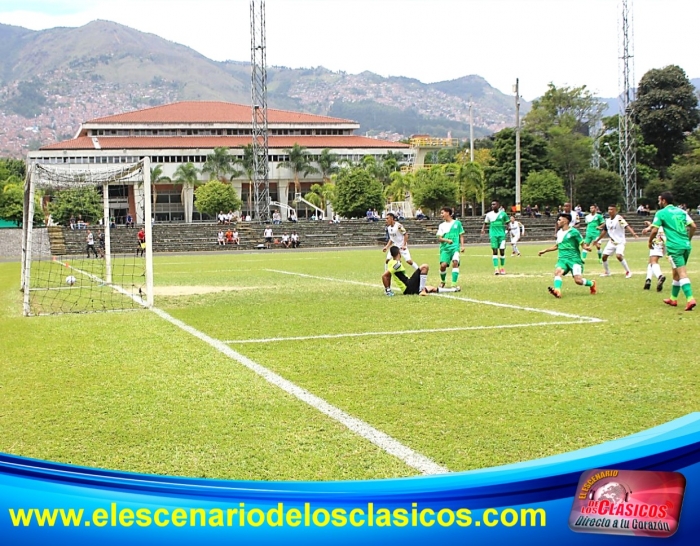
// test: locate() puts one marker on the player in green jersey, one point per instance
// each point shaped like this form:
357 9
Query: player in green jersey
679 229
569 242
417 284
497 220
451 236
593 222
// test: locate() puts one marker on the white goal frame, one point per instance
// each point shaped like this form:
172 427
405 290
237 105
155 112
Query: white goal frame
85 175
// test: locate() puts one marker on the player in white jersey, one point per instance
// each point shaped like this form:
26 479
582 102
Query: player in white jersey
656 252
516 230
398 238
615 229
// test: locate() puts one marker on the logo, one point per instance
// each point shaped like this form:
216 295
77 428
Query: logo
628 502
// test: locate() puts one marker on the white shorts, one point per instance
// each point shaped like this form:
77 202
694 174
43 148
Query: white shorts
657 250
405 254
613 248
576 270
514 239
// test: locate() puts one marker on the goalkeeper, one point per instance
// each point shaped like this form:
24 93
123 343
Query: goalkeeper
415 285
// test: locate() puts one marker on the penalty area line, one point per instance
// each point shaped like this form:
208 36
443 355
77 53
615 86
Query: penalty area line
405 332
451 296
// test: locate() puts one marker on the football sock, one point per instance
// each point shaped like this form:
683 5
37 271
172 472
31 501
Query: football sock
455 274
656 270
600 254
675 290
557 282
414 265
495 261
587 282
650 271
423 282
687 290
443 275
606 266
584 253
503 261
624 264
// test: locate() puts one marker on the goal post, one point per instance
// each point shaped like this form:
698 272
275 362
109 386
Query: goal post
74 257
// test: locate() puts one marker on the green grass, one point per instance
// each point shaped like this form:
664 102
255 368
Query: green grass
131 391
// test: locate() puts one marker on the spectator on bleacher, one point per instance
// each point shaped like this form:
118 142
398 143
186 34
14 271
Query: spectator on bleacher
292 215
420 215
294 238
229 217
375 216
286 241
235 239
528 211
220 238
268 236
220 218
640 210
247 218
276 218
129 220
336 218
547 211
536 211
369 215
229 236
72 220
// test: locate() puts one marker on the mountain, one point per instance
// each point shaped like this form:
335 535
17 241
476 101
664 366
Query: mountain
52 80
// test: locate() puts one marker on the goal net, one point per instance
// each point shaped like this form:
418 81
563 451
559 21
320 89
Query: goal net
77 255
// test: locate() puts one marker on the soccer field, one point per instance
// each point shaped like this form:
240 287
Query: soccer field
295 366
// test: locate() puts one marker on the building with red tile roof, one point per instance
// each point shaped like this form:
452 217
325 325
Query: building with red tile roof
187 132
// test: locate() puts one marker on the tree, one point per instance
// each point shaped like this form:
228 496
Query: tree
569 154
500 173
686 184
356 190
215 196
653 189
321 195
475 185
665 110
573 108
327 163
219 165
10 167
434 190
299 162
599 187
187 175
12 203
543 188
76 202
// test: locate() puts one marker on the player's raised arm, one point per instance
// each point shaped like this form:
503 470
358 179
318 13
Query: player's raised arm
552 248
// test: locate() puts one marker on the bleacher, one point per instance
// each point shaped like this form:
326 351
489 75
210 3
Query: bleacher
177 237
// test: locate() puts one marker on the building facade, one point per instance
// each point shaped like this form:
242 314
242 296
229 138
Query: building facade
187 132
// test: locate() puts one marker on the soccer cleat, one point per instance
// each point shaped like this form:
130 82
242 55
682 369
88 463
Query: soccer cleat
458 288
442 285
605 275
690 305
497 272
503 271
660 283
628 274
647 284
672 303
556 293
594 289
389 293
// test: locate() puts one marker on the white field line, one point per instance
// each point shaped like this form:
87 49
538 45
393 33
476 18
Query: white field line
412 458
359 427
403 332
470 300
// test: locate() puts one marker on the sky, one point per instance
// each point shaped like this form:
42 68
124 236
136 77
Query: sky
565 42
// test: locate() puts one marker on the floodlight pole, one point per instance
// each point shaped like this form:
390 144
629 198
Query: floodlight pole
517 144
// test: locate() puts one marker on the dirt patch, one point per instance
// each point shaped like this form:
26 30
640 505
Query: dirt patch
197 289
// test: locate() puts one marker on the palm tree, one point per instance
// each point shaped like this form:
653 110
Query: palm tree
328 164
247 162
187 175
219 165
299 162
400 187
157 178
475 184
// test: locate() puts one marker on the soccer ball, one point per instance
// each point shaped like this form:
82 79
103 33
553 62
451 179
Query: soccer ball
70 280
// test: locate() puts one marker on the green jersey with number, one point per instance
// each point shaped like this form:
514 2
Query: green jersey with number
592 223
450 230
569 245
674 222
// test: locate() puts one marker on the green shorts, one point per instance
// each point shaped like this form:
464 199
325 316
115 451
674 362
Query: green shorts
498 241
449 254
569 267
588 239
678 259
